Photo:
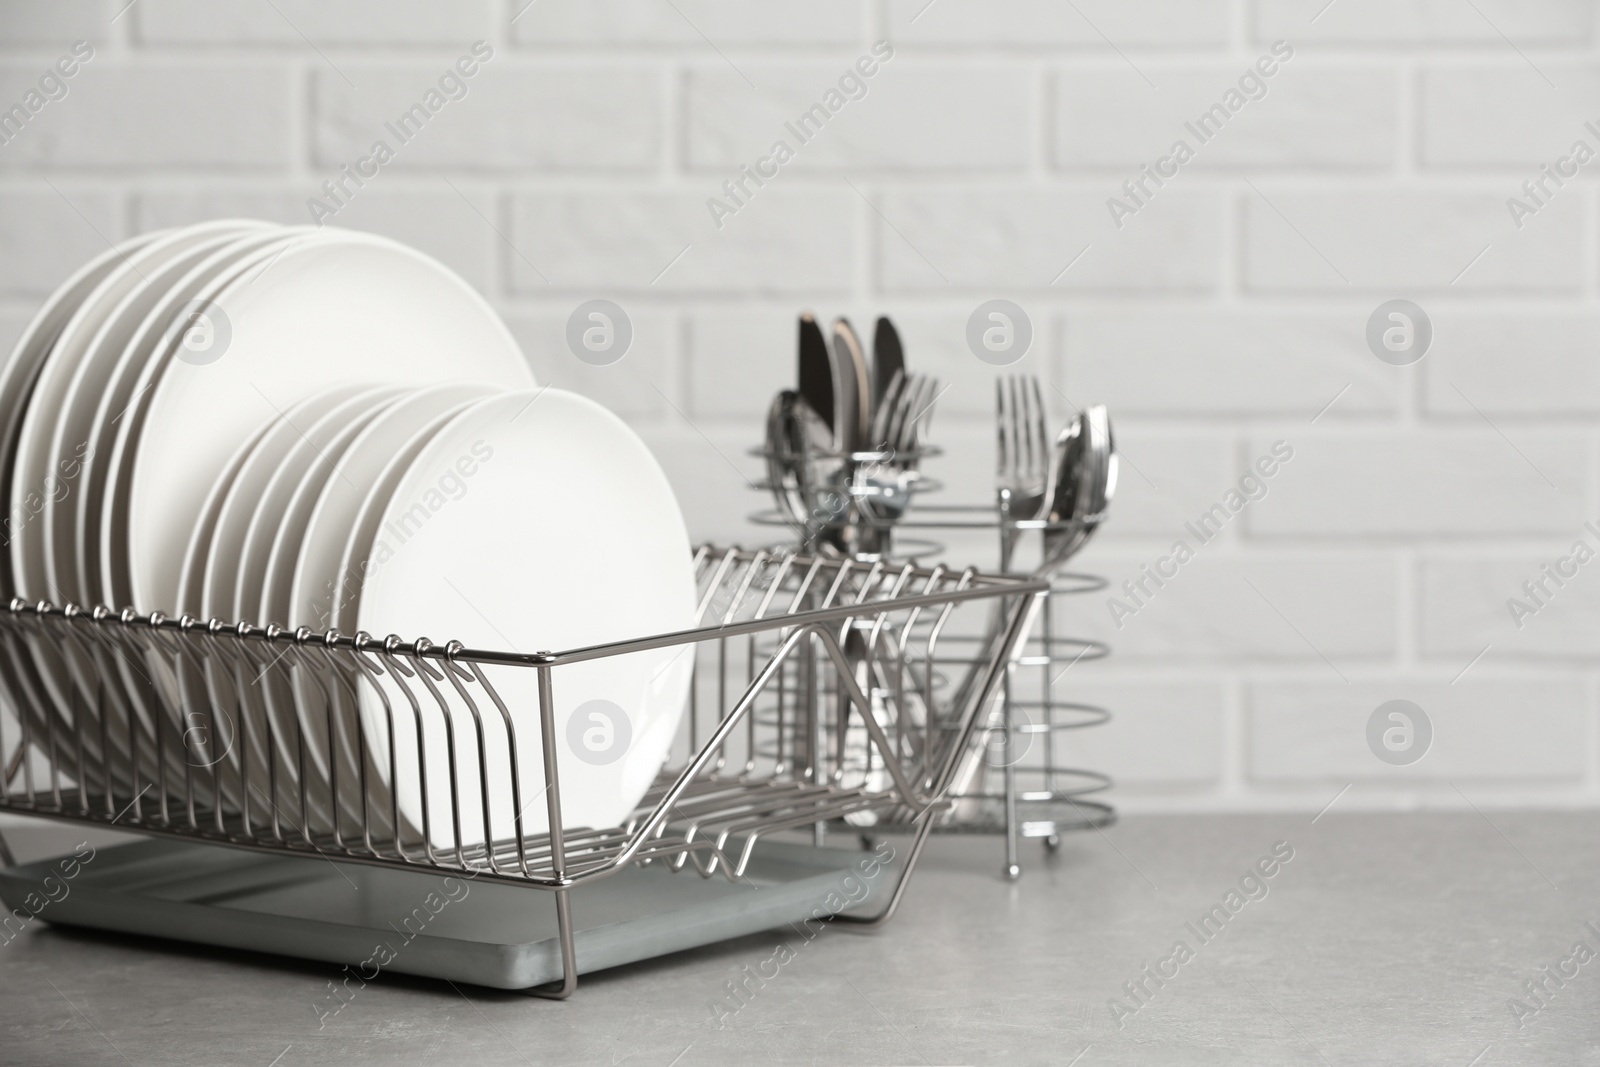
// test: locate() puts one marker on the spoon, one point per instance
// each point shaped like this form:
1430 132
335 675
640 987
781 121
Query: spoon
852 388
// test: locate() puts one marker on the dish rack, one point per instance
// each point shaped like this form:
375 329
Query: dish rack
1014 782
824 691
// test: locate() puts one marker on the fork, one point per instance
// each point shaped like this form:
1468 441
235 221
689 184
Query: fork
1027 470
906 404
1023 460
904 408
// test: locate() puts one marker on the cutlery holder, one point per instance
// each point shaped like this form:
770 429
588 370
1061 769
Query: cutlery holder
1013 781
824 691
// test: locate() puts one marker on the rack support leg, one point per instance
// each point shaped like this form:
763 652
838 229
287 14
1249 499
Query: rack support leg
569 957
865 922
1013 868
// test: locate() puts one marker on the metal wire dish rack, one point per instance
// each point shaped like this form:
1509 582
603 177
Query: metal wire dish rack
1012 780
822 692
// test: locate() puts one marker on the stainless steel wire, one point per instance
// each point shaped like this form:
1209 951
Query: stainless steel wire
202 729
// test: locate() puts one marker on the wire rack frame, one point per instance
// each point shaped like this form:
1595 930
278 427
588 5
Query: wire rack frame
147 722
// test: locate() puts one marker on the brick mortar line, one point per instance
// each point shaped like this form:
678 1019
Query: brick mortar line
641 180
1487 57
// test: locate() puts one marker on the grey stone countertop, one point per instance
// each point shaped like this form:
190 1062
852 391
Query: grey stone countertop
1449 939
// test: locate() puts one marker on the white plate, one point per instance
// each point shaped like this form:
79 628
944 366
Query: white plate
18 373
278 528
102 500
282 547
354 562
315 597
536 521
57 434
221 696
192 581
350 308
35 474
248 498
33 478
281 444
16 383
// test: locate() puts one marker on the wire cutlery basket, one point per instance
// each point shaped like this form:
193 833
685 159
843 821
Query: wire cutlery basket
1014 779
1019 782
835 498
824 691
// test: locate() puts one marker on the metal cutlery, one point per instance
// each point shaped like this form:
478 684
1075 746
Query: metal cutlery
843 450
785 452
815 380
907 404
914 411
1088 483
1066 493
852 388
1023 462
847 480
890 479
888 360
1064 487
884 411
803 469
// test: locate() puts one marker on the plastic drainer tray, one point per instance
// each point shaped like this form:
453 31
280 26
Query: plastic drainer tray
481 933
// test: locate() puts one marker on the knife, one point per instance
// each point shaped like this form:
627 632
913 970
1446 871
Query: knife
888 359
815 378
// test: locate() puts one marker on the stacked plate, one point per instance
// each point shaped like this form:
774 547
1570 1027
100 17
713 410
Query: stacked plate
322 428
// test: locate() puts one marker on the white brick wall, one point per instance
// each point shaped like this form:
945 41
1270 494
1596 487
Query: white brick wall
1229 312
1325 116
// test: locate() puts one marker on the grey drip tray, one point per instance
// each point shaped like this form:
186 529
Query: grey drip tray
484 933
